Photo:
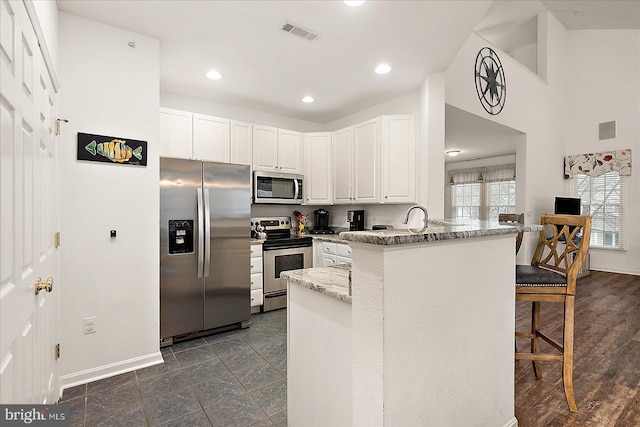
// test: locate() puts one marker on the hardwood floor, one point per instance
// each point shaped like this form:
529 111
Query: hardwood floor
606 360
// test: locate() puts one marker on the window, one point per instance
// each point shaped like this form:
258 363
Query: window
483 193
602 198
502 198
466 201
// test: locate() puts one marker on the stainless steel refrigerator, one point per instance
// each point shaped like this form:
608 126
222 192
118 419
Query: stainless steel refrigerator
204 247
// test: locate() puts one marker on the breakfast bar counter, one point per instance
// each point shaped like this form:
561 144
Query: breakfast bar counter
427 338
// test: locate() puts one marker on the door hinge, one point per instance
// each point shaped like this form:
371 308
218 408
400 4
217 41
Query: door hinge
57 239
57 351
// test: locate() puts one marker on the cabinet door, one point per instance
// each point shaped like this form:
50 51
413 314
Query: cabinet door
265 148
342 155
211 138
241 143
289 151
398 159
175 133
366 152
317 168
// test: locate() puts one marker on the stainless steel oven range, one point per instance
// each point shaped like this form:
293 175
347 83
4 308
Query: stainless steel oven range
281 252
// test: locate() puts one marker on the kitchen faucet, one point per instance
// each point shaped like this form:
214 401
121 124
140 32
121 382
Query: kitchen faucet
426 216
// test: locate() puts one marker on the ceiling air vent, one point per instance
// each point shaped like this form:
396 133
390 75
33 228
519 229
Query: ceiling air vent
292 29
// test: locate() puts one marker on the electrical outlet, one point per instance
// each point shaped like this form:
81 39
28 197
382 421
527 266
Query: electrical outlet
89 325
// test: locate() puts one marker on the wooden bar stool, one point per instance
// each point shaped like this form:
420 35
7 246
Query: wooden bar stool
551 277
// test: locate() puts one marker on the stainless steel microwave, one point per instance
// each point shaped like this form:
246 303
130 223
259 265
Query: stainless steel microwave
277 188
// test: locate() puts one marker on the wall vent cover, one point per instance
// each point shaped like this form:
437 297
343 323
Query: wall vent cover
607 130
300 32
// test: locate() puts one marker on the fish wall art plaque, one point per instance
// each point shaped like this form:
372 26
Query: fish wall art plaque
109 149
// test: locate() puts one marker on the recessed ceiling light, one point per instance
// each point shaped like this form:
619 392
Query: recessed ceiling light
353 3
308 99
452 153
383 69
214 75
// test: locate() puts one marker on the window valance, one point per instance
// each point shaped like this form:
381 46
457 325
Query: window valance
485 174
596 164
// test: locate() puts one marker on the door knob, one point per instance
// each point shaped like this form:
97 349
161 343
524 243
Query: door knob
46 285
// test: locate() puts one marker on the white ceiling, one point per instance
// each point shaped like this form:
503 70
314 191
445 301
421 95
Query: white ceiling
266 69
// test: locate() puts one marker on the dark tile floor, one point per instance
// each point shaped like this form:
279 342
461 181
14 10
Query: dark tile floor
236 378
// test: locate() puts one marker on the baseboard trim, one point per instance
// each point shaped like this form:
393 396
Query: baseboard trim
110 370
513 422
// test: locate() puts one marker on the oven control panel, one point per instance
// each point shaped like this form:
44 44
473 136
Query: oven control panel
272 223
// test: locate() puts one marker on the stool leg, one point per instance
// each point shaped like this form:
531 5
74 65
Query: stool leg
535 341
567 365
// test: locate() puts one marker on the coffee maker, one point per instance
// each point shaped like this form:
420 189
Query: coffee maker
321 222
355 220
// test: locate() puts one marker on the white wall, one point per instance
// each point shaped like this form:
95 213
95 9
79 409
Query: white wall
534 107
560 116
603 90
108 88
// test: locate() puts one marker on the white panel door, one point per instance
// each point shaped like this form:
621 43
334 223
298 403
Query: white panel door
211 138
28 207
342 152
176 133
399 159
289 151
317 175
241 143
265 148
366 149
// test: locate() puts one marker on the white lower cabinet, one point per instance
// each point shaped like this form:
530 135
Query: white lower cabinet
334 253
256 278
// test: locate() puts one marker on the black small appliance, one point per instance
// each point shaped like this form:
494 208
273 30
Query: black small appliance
355 220
321 222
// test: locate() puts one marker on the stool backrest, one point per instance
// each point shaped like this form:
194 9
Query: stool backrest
514 219
563 245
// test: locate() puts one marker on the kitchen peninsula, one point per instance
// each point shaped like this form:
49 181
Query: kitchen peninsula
425 337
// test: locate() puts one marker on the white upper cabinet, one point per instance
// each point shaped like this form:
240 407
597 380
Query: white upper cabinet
176 136
366 161
342 155
265 148
276 150
289 151
241 143
211 138
399 159
317 178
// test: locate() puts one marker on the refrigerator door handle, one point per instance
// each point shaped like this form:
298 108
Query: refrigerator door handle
200 233
207 232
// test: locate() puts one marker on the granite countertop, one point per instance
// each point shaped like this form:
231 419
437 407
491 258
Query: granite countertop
328 238
331 281
437 230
